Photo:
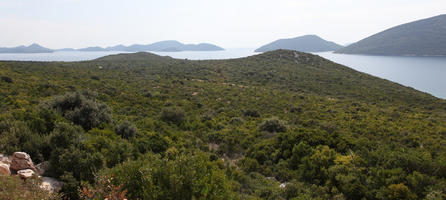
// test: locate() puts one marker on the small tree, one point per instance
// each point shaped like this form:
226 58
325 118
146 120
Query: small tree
273 125
126 130
81 110
175 115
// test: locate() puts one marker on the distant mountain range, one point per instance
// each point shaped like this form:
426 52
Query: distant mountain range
425 37
306 43
167 46
34 48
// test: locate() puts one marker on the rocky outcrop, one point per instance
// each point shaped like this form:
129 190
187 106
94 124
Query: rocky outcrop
22 165
20 161
25 173
4 169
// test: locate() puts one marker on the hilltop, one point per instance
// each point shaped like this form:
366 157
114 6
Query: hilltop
424 37
306 43
277 125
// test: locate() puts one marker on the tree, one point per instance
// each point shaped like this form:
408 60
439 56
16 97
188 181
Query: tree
81 110
273 125
126 130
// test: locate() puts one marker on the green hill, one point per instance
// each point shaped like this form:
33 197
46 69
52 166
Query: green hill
306 43
420 38
278 125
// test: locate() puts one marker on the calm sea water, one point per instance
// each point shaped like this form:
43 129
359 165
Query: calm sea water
426 74
89 55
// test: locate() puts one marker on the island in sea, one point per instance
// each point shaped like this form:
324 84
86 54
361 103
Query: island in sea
165 46
424 37
306 43
33 48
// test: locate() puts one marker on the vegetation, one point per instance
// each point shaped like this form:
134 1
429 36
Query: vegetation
279 125
14 188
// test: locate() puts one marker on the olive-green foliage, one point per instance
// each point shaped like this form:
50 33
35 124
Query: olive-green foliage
175 115
179 176
348 135
273 125
126 130
81 110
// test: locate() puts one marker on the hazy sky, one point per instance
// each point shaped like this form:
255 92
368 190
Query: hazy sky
227 23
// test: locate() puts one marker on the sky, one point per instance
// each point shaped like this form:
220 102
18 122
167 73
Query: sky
227 23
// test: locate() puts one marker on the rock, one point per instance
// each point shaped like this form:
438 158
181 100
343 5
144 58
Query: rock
4 159
25 173
21 160
283 185
51 184
43 167
4 169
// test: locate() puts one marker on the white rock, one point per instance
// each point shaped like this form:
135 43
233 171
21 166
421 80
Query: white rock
25 173
51 184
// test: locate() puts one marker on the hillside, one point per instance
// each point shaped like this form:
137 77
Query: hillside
277 125
33 48
419 38
306 43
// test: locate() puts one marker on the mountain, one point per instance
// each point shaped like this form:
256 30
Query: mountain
166 46
306 43
33 48
426 37
65 49
92 49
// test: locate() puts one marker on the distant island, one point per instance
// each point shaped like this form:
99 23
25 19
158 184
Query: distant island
425 37
306 43
163 46
33 48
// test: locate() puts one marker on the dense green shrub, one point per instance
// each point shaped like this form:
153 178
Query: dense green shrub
184 176
273 125
251 113
126 130
6 79
174 115
81 110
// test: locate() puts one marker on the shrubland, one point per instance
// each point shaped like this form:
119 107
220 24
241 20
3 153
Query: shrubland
279 125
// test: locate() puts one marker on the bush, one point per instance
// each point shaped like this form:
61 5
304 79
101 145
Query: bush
273 125
251 113
183 176
175 115
126 130
6 79
81 110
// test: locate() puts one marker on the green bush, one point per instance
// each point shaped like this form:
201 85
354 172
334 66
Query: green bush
174 115
81 110
126 130
184 176
251 113
273 125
